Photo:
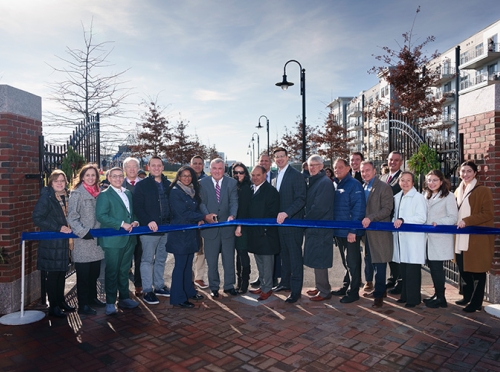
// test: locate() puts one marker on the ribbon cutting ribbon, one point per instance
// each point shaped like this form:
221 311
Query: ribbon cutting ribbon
356 225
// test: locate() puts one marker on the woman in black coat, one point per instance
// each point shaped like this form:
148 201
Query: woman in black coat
240 173
184 210
53 255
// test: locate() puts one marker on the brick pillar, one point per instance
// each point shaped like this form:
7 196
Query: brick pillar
20 126
480 124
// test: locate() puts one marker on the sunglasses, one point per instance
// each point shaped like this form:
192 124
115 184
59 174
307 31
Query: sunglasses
238 172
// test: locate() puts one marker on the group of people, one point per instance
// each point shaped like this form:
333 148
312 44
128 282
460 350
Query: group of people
353 193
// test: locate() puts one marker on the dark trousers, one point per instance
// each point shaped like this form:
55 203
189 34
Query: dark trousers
243 268
379 288
54 285
292 262
116 273
437 275
347 279
137 263
395 272
182 288
87 274
352 254
277 266
411 275
368 263
473 284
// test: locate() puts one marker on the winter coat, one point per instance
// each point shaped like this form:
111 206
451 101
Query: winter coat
479 256
244 197
350 204
265 204
147 205
409 247
318 244
442 211
81 218
184 210
53 255
379 208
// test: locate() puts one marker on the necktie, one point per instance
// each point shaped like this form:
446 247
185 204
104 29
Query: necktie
217 191
132 183
389 179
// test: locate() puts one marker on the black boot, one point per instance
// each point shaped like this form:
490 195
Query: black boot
57 312
433 297
64 305
439 301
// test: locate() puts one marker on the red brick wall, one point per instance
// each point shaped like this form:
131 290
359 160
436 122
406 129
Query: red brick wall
481 144
18 195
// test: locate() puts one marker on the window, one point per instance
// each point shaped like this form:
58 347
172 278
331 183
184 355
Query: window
479 49
447 87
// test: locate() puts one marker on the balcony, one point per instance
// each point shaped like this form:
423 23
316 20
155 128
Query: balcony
446 74
354 111
449 96
473 58
479 81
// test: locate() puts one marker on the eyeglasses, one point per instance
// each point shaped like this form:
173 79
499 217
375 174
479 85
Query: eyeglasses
238 172
117 176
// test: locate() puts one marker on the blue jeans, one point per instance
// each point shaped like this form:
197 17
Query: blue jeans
154 256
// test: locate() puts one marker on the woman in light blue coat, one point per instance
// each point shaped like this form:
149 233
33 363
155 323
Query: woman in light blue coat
441 210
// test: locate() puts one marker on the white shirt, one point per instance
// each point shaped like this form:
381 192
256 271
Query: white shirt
123 196
256 188
279 179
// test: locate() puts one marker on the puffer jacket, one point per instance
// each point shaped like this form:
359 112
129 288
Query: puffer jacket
53 255
350 204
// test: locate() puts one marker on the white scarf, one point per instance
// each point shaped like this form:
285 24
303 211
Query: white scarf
462 240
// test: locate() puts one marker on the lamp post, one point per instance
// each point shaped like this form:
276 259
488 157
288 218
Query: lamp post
251 151
284 85
267 128
258 143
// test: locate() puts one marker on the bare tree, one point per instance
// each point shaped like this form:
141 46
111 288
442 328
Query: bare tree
332 141
84 90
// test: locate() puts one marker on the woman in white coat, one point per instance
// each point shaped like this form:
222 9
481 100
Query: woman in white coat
441 210
409 248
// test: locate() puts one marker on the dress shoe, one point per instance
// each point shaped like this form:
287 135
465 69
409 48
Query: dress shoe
201 284
319 298
312 292
390 284
138 291
185 305
371 294
98 303
401 301
378 302
340 292
232 292
86 310
280 288
265 295
127 303
349 299
110 309
255 291
255 283
471 309
411 305
368 287
292 298
396 290
437 302
462 302
57 312
197 297
67 307
214 294
432 298
275 282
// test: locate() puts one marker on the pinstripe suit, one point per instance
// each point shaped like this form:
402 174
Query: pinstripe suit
292 201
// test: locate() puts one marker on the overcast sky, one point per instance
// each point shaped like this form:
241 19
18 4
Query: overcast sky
215 63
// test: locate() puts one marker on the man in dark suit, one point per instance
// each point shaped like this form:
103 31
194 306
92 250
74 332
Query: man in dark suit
378 244
131 168
265 161
114 209
263 241
355 163
395 161
291 186
219 202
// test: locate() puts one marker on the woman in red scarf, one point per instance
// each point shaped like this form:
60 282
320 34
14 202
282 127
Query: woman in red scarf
87 255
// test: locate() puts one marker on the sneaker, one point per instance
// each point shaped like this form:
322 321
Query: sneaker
150 298
162 292
110 309
127 304
201 284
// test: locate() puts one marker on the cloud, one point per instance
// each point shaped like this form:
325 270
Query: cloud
211 95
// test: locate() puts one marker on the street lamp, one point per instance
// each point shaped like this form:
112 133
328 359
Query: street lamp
284 85
258 142
267 128
251 151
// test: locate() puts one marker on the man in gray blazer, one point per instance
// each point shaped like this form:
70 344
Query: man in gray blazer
291 186
219 202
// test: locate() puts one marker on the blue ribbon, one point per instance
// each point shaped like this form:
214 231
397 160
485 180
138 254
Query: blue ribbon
351 225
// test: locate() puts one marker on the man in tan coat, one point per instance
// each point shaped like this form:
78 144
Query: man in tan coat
379 205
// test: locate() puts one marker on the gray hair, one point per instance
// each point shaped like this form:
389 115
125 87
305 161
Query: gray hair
216 161
315 158
129 159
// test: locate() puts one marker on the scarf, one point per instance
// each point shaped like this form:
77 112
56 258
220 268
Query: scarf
189 190
93 190
464 210
62 198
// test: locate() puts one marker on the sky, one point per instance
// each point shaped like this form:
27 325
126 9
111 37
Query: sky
214 63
